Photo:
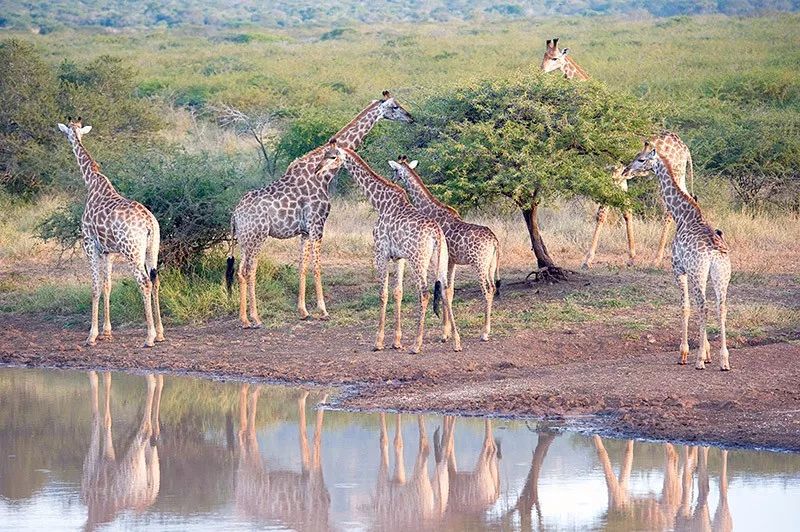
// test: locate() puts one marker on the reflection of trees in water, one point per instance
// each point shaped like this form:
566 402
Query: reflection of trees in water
111 484
296 499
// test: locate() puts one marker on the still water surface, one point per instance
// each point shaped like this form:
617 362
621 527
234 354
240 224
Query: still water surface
85 450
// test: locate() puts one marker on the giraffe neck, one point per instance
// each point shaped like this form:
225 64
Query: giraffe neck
422 198
381 193
352 135
96 183
681 206
573 71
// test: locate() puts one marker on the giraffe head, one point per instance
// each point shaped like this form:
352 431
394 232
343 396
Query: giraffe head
554 59
391 110
402 170
643 163
332 158
74 130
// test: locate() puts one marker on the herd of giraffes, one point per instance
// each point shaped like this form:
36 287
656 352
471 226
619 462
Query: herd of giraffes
413 227
402 499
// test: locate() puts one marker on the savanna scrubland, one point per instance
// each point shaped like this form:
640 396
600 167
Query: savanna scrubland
188 118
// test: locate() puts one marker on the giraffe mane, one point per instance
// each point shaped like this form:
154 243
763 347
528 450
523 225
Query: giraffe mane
358 117
577 67
427 192
382 180
684 195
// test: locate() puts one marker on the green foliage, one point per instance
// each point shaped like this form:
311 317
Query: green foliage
530 134
190 194
308 131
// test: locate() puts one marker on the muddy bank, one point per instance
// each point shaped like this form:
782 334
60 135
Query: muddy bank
630 386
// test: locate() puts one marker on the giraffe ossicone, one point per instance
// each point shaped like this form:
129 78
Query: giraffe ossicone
114 225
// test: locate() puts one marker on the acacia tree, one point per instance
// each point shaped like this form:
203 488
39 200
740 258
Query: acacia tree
530 138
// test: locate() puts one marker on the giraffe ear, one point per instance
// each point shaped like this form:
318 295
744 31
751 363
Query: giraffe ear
394 165
85 129
413 164
548 43
64 129
555 42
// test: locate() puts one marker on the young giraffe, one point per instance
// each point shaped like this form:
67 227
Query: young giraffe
671 148
467 243
697 251
555 59
295 205
402 233
114 224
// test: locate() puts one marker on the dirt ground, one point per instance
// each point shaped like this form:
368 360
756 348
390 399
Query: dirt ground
594 375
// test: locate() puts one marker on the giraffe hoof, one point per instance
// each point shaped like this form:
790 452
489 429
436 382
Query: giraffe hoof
256 325
415 351
160 338
397 346
484 337
445 339
149 343
108 336
324 317
725 368
90 343
700 366
585 266
377 348
305 316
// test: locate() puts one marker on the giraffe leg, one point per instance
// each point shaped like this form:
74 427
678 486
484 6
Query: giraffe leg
422 293
251 292
448 310
398 304
487 285
157 309
662 242
95 263
243 275
600 218
628 216
146 288
698 286
316 252
305 252
683 284
107 264
383 274
720 277
447 324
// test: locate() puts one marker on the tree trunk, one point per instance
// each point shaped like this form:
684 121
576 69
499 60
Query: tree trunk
547 269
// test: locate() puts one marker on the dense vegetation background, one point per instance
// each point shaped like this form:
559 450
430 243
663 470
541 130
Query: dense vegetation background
186 119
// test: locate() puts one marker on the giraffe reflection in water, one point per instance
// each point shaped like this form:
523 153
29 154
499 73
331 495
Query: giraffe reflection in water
672 508
110 485
299 500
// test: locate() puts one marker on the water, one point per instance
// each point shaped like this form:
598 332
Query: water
198 454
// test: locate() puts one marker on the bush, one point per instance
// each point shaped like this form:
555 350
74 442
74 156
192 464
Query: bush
191 196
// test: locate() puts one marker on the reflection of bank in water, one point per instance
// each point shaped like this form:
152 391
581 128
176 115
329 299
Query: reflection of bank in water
109 484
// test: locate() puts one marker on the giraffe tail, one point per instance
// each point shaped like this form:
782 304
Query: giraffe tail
231 260
443 260
494 270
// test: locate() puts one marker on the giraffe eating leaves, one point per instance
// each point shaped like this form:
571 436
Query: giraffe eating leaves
112 224
698 251
297 204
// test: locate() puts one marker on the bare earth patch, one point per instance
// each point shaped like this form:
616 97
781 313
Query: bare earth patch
615 372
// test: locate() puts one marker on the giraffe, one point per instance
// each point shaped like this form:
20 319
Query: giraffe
401 503
299 500
110 485
112 224
697 252
555 59
528 499
671 148
297 204
469 244
402 233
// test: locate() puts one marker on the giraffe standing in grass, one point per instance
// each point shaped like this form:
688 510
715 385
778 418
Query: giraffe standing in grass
697 252
467 243
672 149
668 144
297 204
113 224
402 233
